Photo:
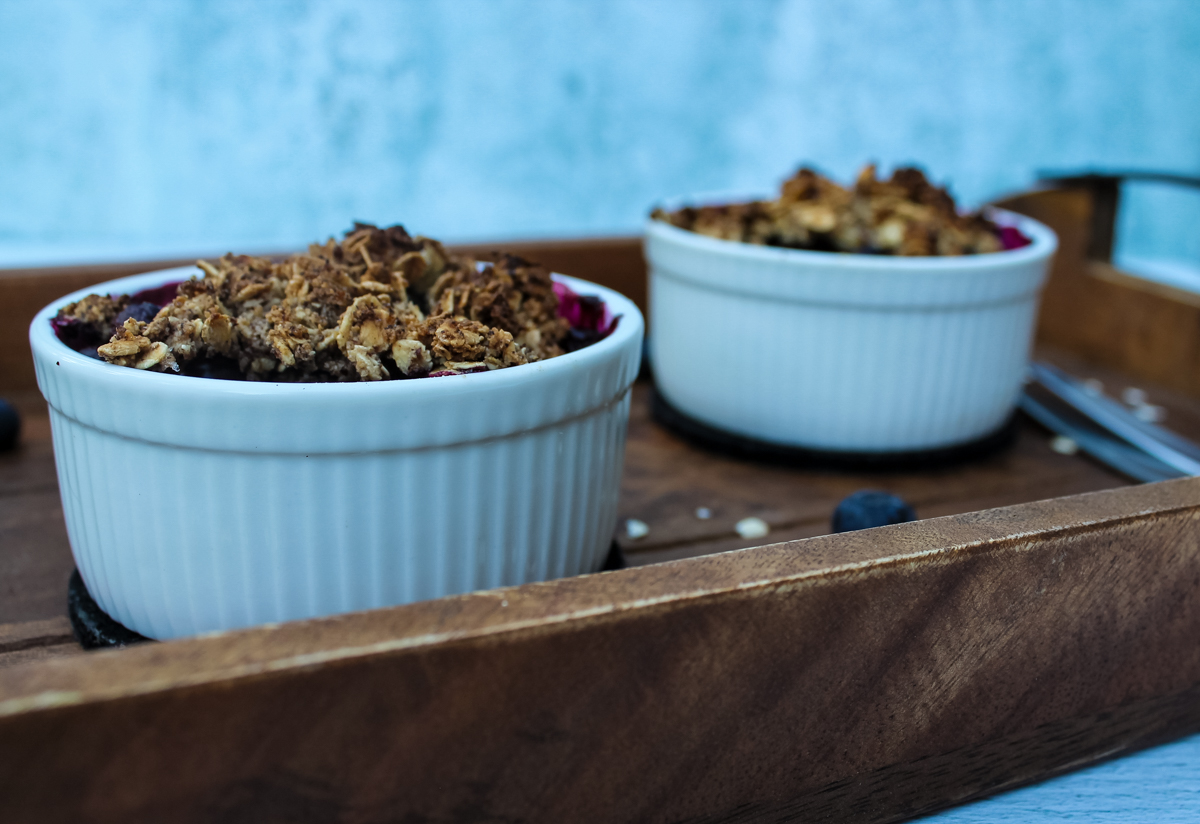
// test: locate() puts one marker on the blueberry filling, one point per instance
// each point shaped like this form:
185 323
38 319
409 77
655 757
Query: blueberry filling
219 368
905 215
589 318
142 312
869 508
84 338
1012 238
588 315
77 335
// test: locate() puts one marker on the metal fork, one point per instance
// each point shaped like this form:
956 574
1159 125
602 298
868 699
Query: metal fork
1106 430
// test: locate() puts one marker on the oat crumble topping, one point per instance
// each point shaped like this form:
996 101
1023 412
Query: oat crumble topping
905 215
377 305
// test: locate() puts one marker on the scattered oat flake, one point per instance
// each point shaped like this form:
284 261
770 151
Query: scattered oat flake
1150 413
1064 445
703 513
635 529
1133 396
752 528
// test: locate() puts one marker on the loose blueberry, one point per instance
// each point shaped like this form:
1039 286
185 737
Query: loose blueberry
10 426
75 334
141 312
870 507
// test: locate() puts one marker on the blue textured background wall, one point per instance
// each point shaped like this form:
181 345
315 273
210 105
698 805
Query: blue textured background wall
136 128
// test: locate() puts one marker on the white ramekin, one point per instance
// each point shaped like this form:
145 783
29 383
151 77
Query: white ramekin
840 352
195 504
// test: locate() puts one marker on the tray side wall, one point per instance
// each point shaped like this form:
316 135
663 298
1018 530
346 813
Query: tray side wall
867 676
1149 331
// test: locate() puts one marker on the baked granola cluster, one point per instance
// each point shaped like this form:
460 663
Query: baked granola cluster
377 305
905 215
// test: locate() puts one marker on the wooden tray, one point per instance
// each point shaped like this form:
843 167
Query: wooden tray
861 677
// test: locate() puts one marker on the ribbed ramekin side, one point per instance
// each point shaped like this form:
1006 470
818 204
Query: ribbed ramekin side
80 525
198 505
173 541
334 418
606 486
855 378
115 523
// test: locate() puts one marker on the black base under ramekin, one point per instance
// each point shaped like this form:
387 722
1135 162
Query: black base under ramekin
96 629
740 446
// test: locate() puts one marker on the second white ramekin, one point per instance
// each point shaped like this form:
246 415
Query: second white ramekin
195 504
839 352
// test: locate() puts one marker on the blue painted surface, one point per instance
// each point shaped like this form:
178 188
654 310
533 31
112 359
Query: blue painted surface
130 127
151 128
1161 785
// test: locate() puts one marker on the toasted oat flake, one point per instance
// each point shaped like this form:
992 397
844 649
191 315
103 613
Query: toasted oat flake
1064 445
1132 396
1150 413
635 529
752 528
378 305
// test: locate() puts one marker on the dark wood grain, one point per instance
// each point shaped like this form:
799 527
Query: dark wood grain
37 641
901 791
863 677
667 479
742 686
1148 331
35 556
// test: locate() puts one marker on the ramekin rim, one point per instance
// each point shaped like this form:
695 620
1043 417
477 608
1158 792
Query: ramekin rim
1044 243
